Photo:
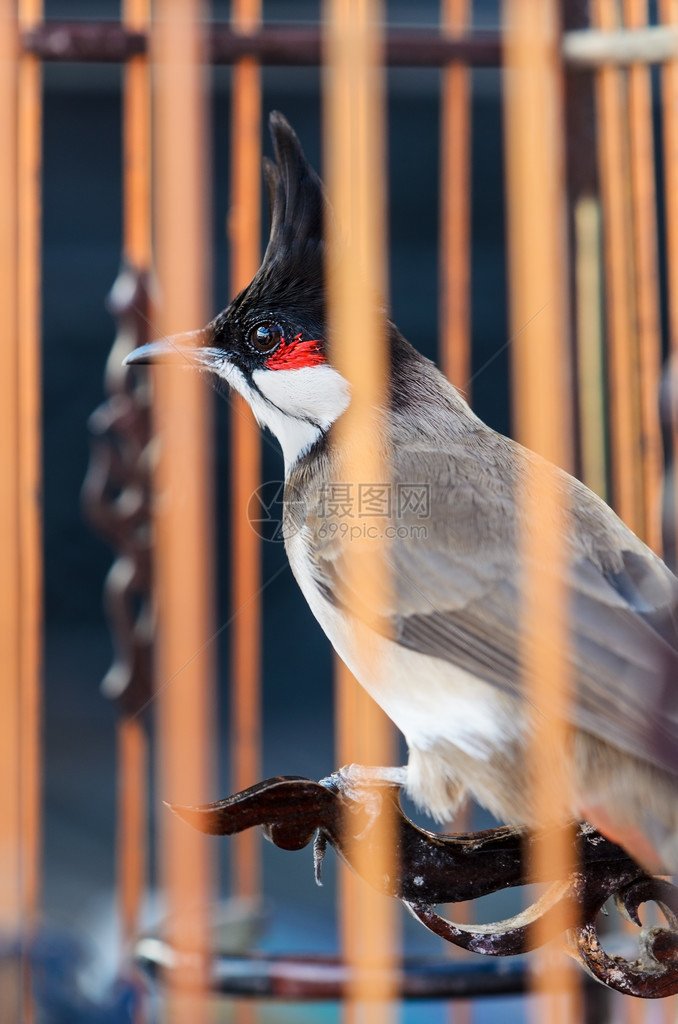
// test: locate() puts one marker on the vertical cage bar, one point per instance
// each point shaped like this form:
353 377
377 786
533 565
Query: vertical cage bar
10 504
244 232
613 160
30 456
454 330
586 262
355 162
541 375
455 204
590 366
132 823
184 545
619 157
668 15
132 742
644 207
137 144
668 10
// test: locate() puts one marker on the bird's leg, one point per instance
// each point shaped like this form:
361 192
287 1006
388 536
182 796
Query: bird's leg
359 784
356 780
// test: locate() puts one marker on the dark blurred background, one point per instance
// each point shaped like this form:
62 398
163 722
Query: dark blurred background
82 239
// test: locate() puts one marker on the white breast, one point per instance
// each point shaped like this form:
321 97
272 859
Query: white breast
430 700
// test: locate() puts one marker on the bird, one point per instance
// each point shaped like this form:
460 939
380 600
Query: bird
448 641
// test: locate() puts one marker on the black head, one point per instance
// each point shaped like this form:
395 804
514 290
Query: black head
278 321
269 343
292 271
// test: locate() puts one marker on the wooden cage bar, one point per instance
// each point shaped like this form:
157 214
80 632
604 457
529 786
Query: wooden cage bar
455 207
282 45
668 16
646 279
621 340
29 393
289 45
668 10
454 288
137 244
244 234
12 622
183 519
20 510
30 459
244 230
355 174
132 740
589 343
541 375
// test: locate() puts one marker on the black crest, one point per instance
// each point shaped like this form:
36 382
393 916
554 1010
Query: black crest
292 271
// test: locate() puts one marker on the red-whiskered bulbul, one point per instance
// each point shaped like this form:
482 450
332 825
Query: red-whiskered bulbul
449 644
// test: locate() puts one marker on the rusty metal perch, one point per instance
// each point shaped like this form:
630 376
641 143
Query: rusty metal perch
436 869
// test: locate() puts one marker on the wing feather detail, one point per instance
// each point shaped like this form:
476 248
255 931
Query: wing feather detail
456 592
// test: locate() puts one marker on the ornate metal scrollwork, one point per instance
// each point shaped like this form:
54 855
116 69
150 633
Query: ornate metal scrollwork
116 497
435 869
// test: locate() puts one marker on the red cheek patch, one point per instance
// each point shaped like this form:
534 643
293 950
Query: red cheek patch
296 354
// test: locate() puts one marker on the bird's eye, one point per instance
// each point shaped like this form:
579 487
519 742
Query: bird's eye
266 337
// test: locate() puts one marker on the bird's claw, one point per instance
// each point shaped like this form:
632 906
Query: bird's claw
319 851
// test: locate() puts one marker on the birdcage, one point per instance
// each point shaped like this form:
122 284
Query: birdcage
530 153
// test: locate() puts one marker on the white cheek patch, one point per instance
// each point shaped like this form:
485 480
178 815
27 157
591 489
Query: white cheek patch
297 405
315 393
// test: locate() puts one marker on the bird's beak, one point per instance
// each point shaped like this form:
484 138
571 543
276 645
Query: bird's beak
187 349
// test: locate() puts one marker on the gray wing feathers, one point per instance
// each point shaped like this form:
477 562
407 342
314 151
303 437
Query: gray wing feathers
456 594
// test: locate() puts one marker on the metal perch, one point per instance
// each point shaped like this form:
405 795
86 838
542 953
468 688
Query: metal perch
435 869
